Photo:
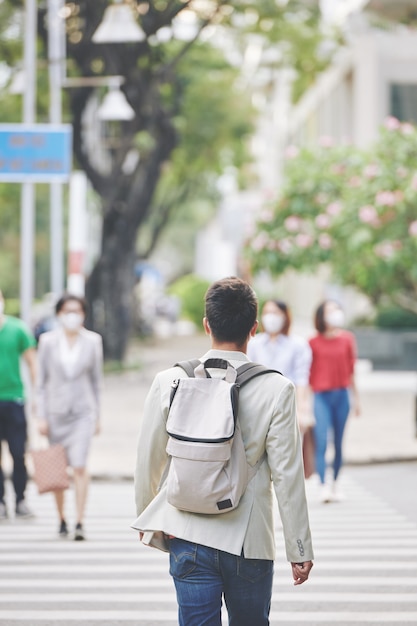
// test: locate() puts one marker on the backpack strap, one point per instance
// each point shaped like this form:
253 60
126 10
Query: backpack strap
246 372
188 366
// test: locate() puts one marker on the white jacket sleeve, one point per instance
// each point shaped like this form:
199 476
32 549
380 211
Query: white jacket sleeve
283 447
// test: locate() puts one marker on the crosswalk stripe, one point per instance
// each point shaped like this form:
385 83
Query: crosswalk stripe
162 597
167 616
322 553
127 583
128 568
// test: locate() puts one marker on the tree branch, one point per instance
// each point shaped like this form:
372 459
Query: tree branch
167 69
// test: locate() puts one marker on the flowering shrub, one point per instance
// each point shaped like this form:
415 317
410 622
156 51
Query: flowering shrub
353 209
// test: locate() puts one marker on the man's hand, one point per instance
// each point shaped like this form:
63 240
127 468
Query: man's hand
301 571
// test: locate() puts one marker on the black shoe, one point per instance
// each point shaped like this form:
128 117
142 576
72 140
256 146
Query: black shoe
79 533
63 529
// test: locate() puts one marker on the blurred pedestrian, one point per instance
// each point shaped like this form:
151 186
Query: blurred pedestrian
332 380
16 341
229 554
291 355
68 407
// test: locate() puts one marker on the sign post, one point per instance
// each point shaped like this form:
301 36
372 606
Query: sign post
33 153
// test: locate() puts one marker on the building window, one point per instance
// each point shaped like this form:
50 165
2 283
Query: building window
403 103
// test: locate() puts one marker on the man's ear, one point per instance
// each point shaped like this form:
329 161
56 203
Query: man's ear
254 328
206 326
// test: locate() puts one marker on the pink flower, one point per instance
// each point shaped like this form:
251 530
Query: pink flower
385 198
334 208
407 128
391 123
355 181
414 182
269 194
325 141
368 214
387 249
325 241
267 215
285 246
260 242
338 168
399 195
371 170
291 152
322 221
292 223
412 229
303 241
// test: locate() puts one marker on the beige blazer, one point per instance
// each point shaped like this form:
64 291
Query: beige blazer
57 392
268 422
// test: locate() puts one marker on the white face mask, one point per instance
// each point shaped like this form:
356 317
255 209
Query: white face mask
335 319
273 323
71 321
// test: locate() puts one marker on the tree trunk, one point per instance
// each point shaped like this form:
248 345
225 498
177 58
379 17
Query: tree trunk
109 289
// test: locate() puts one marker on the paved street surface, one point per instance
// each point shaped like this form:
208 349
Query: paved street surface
365 568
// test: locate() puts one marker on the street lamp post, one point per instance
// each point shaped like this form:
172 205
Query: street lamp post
56 58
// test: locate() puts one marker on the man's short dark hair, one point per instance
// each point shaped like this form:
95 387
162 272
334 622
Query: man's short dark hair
231 310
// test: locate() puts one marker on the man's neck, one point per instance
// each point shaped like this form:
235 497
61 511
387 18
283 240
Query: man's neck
228 346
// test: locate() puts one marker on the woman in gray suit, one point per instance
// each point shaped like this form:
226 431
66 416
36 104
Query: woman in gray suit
68 399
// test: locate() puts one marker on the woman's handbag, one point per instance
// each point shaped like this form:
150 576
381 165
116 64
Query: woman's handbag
50 468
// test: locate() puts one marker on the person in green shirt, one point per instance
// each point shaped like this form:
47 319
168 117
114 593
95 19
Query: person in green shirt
16 341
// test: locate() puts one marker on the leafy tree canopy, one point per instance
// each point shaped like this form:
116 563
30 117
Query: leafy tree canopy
354 209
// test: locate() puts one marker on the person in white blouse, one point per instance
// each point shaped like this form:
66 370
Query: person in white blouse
290 354
68 396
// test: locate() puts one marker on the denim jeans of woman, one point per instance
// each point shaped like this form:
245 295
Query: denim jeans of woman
203 575
331 410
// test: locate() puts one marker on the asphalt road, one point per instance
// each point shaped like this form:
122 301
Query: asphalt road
395 482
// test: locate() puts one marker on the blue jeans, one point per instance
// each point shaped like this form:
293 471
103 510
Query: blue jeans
13 430
202 575
331 410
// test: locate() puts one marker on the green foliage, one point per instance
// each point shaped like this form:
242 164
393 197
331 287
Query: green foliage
394 317
214 126
353 209
190 290
12 307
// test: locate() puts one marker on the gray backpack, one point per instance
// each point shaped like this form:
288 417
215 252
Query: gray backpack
207 471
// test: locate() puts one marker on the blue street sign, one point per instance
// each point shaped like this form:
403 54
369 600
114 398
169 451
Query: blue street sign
39 153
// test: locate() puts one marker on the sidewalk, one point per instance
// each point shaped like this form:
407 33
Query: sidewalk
385 431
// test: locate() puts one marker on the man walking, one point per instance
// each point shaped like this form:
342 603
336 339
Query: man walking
15 341
229 554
